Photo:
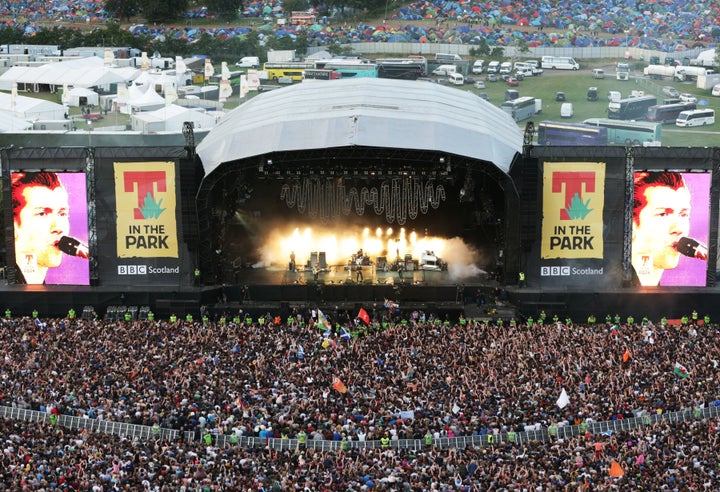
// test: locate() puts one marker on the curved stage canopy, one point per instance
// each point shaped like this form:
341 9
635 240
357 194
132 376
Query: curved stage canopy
365 112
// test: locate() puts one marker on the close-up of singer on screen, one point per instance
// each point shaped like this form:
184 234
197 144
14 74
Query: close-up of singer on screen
42 203
663 239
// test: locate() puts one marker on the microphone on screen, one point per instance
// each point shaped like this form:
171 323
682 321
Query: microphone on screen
73 247
692 248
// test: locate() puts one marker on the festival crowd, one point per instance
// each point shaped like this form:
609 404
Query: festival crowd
387 380
662 25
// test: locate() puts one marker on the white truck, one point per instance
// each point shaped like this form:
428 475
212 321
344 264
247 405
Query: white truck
689 72
659 71
623 71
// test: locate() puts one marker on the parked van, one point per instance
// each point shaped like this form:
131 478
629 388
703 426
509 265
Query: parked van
445 70
505 67
716 90
598 73
248 62
493 67
566 110
478 66
456 78
447 57
696 117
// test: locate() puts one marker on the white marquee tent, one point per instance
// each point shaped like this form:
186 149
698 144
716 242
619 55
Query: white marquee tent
83 72
31 108
77 95
171 119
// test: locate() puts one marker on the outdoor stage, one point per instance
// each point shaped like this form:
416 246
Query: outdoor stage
279 291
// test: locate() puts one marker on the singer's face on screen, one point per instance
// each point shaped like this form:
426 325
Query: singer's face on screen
660 224
41 223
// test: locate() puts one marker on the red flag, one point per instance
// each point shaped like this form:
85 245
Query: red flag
616 470
363 315
626 355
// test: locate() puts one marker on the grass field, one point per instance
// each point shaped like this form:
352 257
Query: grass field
575 86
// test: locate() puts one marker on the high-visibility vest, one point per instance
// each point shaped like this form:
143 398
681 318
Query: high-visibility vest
189 317
173 318
71 313
151 316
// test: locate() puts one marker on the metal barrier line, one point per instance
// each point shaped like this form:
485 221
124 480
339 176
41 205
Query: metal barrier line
519 438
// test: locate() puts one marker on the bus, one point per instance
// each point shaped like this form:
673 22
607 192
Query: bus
696 117
559 133
631 108
286 70
630 133
559 63
351 67
668 113
321 74
521 108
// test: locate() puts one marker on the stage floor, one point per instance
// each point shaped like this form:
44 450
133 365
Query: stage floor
339 275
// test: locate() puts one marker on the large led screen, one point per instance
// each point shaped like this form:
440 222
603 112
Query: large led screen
670 228
50 228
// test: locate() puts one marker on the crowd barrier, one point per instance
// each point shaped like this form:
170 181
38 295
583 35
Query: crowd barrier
539 434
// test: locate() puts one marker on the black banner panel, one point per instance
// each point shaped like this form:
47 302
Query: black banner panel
139 225
624 217
579 201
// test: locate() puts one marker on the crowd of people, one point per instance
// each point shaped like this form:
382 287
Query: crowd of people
388 380
655 25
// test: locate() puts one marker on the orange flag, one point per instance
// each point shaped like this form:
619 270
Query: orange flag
626 355
338 385
616 470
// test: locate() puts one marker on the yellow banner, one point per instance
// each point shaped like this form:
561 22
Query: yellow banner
145 205
573 203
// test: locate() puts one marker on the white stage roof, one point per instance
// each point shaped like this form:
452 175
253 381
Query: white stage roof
364 112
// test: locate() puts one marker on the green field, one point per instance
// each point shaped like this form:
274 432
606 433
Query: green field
575 86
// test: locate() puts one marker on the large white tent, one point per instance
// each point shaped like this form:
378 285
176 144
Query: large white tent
31 108
365 112
83 72
171 119
9 122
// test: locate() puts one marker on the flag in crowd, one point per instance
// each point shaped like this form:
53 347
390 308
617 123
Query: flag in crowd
322 320
616 470
40 324
338 385
364 316
391 304
681 371
564 399
344 334
300 351
626 355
